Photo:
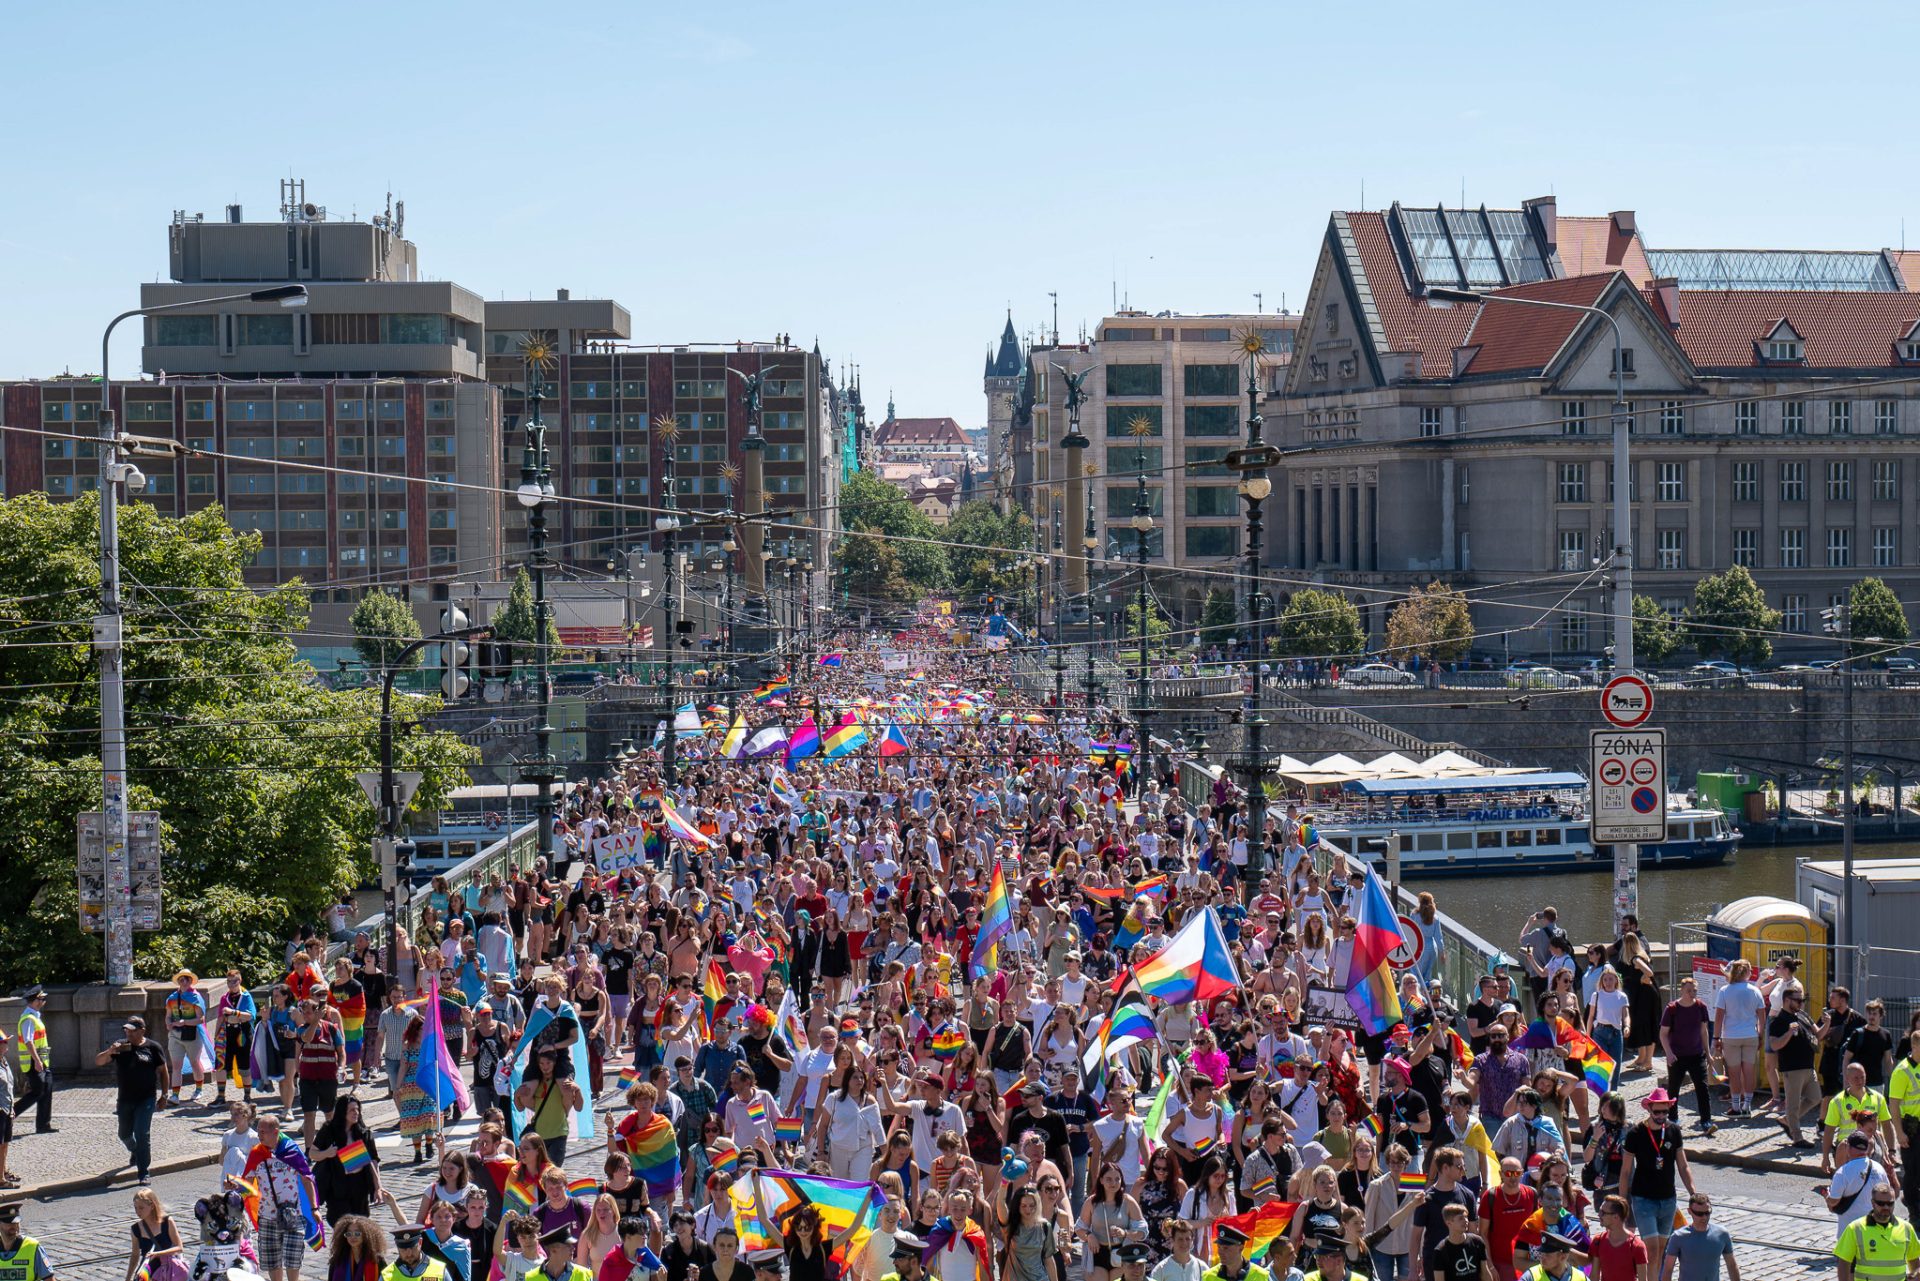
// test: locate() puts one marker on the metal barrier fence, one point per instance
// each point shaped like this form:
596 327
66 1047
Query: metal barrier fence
1883 973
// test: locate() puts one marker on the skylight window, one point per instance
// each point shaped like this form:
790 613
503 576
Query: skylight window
1468 248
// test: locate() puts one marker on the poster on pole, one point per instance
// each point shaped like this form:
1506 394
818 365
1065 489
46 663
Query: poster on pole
1328 1007
143 861
1710 979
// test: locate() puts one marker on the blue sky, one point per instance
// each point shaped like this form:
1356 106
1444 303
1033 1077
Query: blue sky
891 177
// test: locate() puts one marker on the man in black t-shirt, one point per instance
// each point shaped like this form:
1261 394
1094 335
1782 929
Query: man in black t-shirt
1076 1110
1792 1038
1460 1255
140 1068
1429 1222
1403 1109
490 1049
1481 1013
1006 1052
1871 1046
1036 1115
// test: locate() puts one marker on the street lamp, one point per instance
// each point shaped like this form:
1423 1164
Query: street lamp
1142 526
667 524
535 495
730 546
107 638
1626 857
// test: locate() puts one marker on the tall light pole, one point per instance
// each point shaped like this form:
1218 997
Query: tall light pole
666 524
1090 547
729 547
1252 463
1837 622
1142 526
535 494
108 628
1626 857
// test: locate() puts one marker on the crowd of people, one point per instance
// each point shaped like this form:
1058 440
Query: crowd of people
771 963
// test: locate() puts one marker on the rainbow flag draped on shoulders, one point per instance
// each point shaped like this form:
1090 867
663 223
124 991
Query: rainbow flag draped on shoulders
353 1021
655 1154
996 922
1195 965
191 1005
1371 991
288 1153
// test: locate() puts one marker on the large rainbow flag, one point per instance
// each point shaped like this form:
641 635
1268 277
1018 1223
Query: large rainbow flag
1370 987
1263 1225
775 688
849 1211
680 828
1195 965
655 1153
996 922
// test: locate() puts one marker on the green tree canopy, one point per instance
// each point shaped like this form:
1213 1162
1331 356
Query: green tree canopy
382 625
986 546
1434 623
515 621
249 761
1219 617
1876 614
1158 625
870 505
1656 633
1730 618
869 571
1321 624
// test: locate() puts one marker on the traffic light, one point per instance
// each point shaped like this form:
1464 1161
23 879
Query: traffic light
454 655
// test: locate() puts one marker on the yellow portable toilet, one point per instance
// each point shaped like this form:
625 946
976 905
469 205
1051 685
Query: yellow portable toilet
1763 929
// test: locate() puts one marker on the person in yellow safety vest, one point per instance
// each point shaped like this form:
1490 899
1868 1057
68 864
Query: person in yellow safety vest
1231 1242
36 1063
1903 1092
1880 1247
1554 1264
410 1264
559 1264
21 1258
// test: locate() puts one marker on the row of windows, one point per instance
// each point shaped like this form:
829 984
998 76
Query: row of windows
1196 380
1791 417
1670 479
1670 548
1202 501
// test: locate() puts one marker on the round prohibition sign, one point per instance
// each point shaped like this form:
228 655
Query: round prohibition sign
1642 770
1613 772
1645 800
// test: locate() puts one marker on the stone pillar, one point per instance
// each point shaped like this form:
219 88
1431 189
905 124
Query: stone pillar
1449 538
1337 517
1365 559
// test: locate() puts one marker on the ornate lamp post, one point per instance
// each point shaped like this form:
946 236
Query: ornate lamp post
1141 428
535 493
666 524
1254 489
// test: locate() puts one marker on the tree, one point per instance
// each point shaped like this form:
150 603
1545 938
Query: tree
985 544
249 762
1318 624
382 626
870 571
1730 618
870 505
1219 617
1433 623
1875 613
1158 625
1656 633
515 624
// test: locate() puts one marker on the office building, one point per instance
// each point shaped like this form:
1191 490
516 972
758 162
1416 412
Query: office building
1771 396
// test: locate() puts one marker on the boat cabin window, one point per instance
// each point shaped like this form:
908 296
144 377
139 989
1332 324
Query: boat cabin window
1426 841
1518 838
1547 836
1488 840
1459 840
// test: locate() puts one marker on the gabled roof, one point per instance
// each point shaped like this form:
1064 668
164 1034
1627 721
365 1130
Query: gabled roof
1719 328
1404 322
919 431
1526 339
1588 245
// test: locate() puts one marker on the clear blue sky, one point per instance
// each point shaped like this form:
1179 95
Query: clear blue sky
891 177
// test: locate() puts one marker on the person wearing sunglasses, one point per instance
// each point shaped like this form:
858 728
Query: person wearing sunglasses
1696 1251
1881 1245
1653 1159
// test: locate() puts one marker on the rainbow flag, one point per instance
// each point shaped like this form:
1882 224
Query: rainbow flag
947 1043
1371 990
849 1211
1540 1035
353 1022
755 1235
656 1158
1462 1054
1104 893
288 1153
1156 886
519 1195
1413 1181
1262 1225
1374 1126
996 922
756 1111
1130 1023
725 1161
776 688
1194 965
682 830
789 1129
803 742
583 1189
1259 1187
845 738
1598 1071
249 1197
713 990
632 1075
354 1157
1132 928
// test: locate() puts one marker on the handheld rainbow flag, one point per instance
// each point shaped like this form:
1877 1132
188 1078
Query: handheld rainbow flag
629 1077
1373 1125
803 742
755 1235
519 1195
583 1189
1104 893
354 1157
1262 1226
1195 965
681 829
788 1129
1260 1186
1413 1181
947 1043
996 922
725 1161
849 1211
1371 990
756 1111
1462 1054
1598 1071
1156 886
776 688
713 990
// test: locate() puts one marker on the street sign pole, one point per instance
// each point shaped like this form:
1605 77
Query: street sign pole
1627 703
1629 786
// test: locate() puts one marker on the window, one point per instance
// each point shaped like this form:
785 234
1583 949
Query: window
1633 483
198 411
1123 462
1133 380
1121 419
350 408
1623 361
1840 417
1573 631
403 328
306 411
1673 418
393 520
1839 548
1793 417
1746 548
252 411
441 446
1886 547
183 331
301 447
1793 482
1839 482
1573 418
391 410
1466 481
1793 549
1429 420
1121 499
62 487
199 484
1212 500
1573 549
1746 418
439 409
442 519
1793 612
1212 420
1213 540
1671 549
302 483
1886 417
1210 380
392 446
1205 461
1886 480
1746 482
1573 482
1217 333
1672 483
1674 607
1783 349
266 331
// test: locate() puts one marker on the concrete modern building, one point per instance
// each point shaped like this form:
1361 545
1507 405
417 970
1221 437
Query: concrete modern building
1772 398
1181 378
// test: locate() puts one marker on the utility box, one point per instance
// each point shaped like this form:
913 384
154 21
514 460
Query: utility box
1886 900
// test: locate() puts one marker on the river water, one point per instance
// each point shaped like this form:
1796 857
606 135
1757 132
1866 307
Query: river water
1495 906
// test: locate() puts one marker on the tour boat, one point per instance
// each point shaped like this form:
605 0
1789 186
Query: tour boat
1509 822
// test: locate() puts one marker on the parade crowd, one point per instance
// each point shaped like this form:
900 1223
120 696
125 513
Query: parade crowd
891 1004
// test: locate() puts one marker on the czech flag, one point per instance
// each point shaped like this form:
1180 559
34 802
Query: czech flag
894 741
996 922
1371 991
803 742
1195 965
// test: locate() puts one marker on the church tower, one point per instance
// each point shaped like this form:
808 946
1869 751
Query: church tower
1002 385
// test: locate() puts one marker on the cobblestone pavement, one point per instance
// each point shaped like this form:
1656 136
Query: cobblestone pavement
1748 1141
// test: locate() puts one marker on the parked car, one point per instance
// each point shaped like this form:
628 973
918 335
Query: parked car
1715 672
1378 674
1903 664
1593 671
1550 678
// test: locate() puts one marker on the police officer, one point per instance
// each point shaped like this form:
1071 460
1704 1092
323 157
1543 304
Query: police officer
1555 1263
1329 1257
1233 1265
21 1258
559 1264
907 1266
410 1262
1903 1092
1881 1246
1133 1257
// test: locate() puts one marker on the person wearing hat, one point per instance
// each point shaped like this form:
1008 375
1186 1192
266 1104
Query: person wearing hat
140 1069
559 1264
21 1257
1851 1190
934 1113
1133 1258
907 1258
1231 1242
1556 1262
411 1261
1652 1158
36 1061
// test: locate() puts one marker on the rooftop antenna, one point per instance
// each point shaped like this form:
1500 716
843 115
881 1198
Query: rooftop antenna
1363 195
1463 191
1258 298
1055 295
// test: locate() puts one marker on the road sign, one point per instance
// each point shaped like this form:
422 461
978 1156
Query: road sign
1629 786
1412 944
1627 701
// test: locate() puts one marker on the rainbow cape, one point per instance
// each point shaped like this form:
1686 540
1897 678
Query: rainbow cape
288 1153
187 1004
656 1156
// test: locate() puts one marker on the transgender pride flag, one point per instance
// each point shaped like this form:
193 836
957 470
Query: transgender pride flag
437 1076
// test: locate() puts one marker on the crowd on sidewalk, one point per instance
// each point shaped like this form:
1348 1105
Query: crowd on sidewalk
900 976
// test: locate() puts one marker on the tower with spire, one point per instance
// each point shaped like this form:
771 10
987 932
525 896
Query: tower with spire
1002 386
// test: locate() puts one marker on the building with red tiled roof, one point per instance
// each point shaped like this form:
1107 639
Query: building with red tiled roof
902 436
1771 396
